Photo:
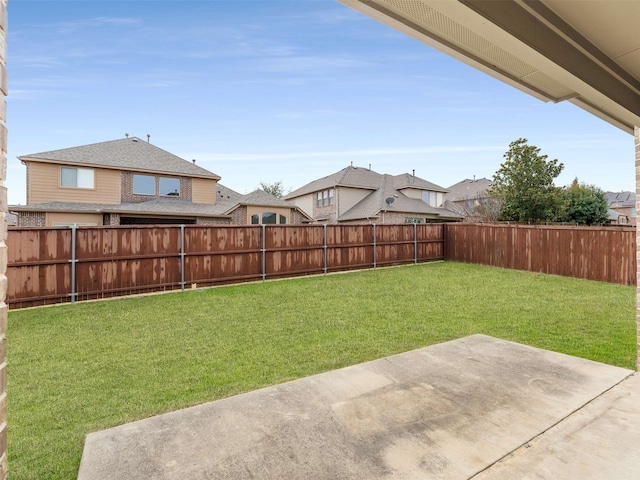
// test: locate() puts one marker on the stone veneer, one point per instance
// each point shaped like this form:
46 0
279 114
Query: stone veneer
3 244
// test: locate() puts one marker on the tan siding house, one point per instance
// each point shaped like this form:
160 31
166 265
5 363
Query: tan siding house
349 198
130 181
203 191
45 186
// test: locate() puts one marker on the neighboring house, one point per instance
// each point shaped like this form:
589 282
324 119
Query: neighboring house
129 182
360 195
258 208
623 203
470 199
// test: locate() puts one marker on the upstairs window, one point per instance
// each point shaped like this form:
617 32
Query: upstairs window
77 177
169 186
144 185
325 197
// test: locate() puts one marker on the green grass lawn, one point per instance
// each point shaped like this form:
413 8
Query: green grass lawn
74 369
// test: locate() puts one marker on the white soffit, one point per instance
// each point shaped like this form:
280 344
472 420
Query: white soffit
587 52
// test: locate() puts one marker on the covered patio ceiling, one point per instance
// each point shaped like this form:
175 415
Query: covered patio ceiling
583 51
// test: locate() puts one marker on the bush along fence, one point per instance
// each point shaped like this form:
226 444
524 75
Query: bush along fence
56 265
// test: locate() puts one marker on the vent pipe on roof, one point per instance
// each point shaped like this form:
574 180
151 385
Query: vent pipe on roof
352 163
194 161
148 138
369 166
126 135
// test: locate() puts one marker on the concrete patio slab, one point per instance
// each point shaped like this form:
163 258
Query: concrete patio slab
447 411
599 441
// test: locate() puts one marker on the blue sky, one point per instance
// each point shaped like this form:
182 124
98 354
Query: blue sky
272 90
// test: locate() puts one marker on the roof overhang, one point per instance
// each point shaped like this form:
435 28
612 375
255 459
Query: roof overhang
586 52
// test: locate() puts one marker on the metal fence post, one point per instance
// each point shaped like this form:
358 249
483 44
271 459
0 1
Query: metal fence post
74 227
182 257
264 253
325 248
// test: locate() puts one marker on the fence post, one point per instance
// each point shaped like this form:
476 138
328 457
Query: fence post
182 257
74 227
324 247
415 243
374 246
264 253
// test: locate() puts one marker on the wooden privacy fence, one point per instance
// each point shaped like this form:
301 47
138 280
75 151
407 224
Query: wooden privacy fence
55 265
595 253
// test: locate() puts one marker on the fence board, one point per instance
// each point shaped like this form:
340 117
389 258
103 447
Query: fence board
114 261
595 253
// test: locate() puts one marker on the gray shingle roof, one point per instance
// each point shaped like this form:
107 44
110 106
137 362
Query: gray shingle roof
359 177
152 207
124 154
347 177
227 201
375 203
406 180
382 187
469 189
621 199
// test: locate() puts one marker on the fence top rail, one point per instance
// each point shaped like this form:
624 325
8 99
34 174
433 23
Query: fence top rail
226 226
620 228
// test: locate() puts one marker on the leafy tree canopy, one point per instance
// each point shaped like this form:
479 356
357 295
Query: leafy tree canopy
276 189
524 182
585 204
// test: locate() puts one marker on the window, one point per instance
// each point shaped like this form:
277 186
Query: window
77 177
169 186
432 198
144 185
268 218
325 197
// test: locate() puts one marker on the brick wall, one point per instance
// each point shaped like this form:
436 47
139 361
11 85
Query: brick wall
32 219
328 212
3 245
297 218
127 195
111 219
239 216
212 221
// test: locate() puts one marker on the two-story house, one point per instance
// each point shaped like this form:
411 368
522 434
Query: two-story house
360 195
130 181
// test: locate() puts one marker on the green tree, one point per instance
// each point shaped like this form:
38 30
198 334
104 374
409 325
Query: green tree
585 204
524 182
276 188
